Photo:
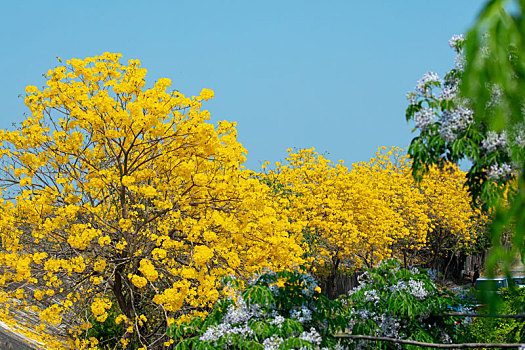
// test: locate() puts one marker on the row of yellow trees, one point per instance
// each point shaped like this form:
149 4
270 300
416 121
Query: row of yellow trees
125 202
374 210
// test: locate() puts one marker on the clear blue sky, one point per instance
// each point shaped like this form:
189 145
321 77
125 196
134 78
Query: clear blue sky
326 74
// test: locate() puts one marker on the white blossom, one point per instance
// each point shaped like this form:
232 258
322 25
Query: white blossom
417 289
235 322
371 295
412 97
313 336
455 121
519 140
310 285
278 320
272 343
455 41
399 286
240 312
389 326
448 92
364 314
499 171
423 118
422 85
214 333
363 278
414 270
518 134
303 315
493 141
459 62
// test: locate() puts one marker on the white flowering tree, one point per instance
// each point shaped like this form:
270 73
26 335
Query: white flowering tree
477 113
399 303
283 310
449 131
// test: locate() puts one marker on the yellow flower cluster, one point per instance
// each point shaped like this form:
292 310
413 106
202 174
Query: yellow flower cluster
99 307
138 281
148 270
202 254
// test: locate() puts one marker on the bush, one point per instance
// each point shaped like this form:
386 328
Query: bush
283 310
403 304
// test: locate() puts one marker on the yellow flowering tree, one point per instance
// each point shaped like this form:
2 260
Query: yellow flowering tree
457 227
387 175
360 216
352 217
441 198
125 200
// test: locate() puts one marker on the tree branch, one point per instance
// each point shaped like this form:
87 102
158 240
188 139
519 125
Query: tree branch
430 345
463 314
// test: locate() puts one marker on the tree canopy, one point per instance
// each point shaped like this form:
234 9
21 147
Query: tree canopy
123 199
375 210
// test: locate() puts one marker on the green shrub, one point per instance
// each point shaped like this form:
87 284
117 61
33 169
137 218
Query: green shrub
404 304
283 310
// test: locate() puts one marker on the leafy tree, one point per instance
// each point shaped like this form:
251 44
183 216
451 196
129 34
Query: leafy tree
453 225
400 303
449 132
350 216
285 310
120 197
478 115
456 227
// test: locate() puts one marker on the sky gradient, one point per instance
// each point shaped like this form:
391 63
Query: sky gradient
326 74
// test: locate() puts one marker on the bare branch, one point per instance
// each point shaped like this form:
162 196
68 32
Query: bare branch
430 345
